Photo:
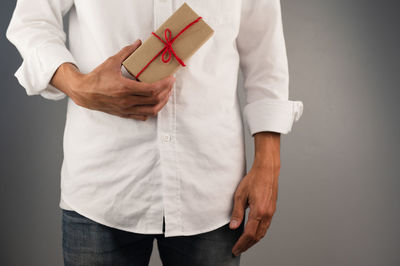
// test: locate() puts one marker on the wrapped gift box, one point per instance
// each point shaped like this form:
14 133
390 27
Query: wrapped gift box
168 48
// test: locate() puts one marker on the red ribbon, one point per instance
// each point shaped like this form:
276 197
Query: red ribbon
167 49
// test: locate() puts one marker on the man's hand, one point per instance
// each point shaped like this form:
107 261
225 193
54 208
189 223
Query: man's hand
106 89
259 191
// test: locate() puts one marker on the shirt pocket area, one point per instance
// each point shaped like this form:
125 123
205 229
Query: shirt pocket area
216 13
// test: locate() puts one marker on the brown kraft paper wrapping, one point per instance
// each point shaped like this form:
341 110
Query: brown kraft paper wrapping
184 46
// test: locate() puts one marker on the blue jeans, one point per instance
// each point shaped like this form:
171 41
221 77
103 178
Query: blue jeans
87 243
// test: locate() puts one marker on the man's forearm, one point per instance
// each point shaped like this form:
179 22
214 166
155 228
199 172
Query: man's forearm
66 76
267 149
257 190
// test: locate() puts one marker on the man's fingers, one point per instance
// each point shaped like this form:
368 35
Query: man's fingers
133 87
127 51
248 238
150 110
134 116
239 208
138 117
126 103
262 228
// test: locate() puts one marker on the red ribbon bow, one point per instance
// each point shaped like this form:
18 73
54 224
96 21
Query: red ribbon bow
167 49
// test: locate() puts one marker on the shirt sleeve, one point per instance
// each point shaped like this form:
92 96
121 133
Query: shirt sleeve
263 61
36 30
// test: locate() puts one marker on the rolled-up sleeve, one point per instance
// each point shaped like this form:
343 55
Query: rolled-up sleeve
263 61
36 30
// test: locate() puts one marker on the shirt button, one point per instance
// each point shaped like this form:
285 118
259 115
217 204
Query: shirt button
166 138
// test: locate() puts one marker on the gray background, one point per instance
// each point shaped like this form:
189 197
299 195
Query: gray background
339 184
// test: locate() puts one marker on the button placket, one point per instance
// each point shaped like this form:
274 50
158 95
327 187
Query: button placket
166 138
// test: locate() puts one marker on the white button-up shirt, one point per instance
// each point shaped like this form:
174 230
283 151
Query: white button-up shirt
186 162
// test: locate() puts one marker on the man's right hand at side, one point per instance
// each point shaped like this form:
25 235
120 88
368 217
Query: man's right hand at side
106 89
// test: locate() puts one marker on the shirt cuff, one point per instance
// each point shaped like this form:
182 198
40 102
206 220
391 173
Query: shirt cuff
38 68
272 115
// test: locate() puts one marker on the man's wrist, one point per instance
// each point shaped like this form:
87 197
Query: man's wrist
66 78
267 149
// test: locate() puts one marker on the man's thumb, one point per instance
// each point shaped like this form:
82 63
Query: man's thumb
237 213
128 50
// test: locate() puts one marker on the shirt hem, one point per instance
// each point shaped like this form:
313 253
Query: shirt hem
196 232
140 231
103 222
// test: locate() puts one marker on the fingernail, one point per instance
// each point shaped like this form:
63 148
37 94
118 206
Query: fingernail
137 42
233 224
